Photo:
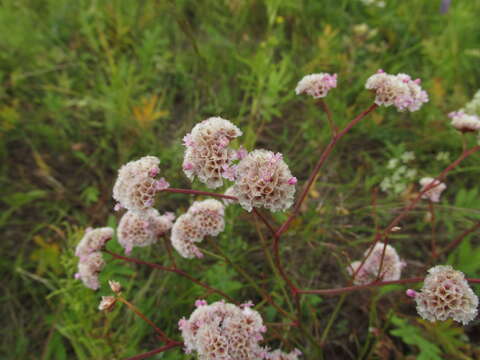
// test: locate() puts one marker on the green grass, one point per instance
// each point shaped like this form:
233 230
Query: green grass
87 85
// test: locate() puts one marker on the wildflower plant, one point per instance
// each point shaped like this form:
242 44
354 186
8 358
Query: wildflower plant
259 180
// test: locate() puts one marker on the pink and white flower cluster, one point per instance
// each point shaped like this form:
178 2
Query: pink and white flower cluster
261 178
464 122
202 218
136 186
264 180
207 155
144 229
223 331
391 267
397 90
446 294
89 252
316 85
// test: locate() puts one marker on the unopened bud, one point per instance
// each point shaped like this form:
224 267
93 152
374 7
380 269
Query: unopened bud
115 286
107 303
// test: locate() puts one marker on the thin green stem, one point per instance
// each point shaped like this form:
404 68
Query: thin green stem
332 319
137 312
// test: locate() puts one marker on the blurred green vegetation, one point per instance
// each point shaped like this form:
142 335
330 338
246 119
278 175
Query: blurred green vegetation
87 85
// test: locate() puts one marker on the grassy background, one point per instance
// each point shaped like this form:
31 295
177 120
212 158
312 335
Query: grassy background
87 85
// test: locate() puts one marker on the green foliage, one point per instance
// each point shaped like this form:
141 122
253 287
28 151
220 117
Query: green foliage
411 335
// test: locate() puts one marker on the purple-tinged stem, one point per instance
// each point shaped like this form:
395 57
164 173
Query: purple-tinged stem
318 166
198 192
173 270
366 286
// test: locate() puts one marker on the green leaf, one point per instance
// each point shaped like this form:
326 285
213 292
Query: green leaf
411 335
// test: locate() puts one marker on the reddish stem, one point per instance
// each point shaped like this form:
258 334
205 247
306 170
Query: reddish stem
431 207
173 270
459 239
409 207
262 217
198 192
146 355
318 166
366 286
163 337
327 111
430 186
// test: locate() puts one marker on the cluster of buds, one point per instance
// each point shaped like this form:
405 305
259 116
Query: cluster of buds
108 302
203 218
381 263
142 229
136 184
397 90
223 331
91 260
445 294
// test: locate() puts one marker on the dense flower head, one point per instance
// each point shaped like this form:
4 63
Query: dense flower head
142 229
398 90
316 85
464 122
136 186
93 240
185 233
223 331
391 267
434 193
207 155
446 294
264 180
280 355
202 218
88 269
209 215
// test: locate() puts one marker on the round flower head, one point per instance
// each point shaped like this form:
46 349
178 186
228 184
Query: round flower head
434 193
202 218
136 186
316 85
88 269
264 180
207 155
464 122
185 233
446 294
280 355
223 331
398 90
391 267
209 216
142 230
93 240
